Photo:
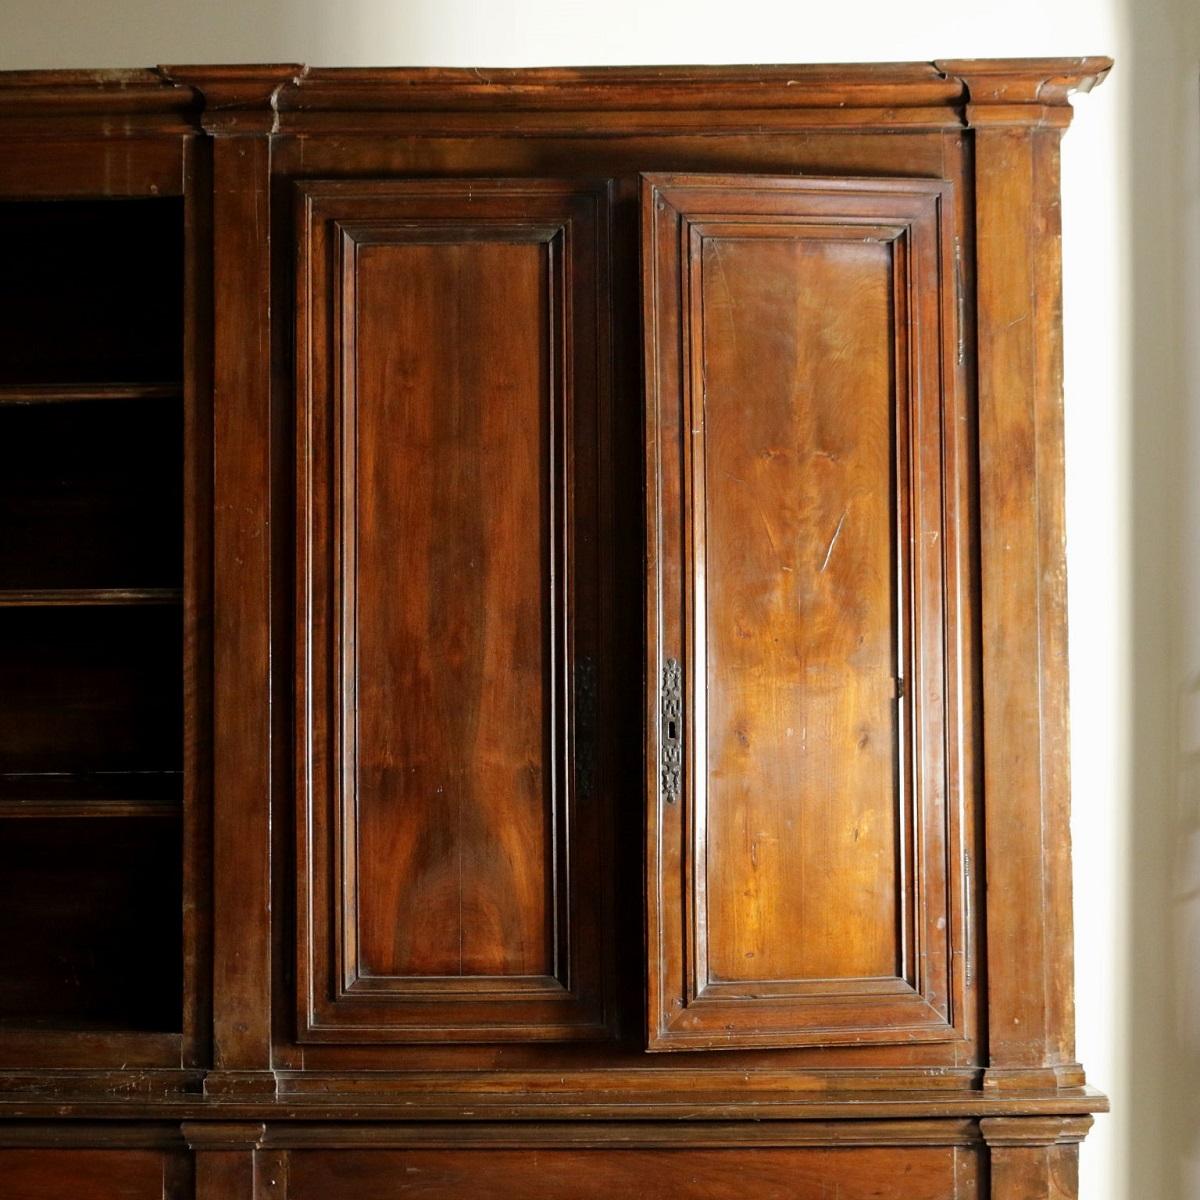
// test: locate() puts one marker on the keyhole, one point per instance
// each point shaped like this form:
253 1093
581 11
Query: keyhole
670 731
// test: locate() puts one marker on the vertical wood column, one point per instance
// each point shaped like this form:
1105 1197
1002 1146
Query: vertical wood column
197 629
1034 1158
239 114
225 1153
1017 119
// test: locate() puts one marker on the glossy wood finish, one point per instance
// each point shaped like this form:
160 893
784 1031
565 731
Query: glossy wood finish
242 563
692 1174
943 415
448 505
1023 574
799 344
88 1175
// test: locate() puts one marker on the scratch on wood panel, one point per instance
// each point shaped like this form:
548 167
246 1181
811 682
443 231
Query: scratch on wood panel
770 536
833 540
730 303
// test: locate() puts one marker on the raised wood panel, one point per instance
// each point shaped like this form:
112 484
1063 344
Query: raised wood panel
52 1174
804 820
800 580
452 350
916 1173
455 546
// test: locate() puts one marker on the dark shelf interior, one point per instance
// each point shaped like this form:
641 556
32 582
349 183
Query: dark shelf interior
90 689
91 494
91 617
90 930
91 290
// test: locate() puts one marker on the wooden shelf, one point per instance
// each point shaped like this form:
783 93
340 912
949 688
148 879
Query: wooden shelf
87 597
109 794
74 393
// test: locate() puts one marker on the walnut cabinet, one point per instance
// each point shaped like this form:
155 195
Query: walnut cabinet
532 634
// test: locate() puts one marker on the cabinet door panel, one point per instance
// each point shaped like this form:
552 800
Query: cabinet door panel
452 351
804 885
91 1174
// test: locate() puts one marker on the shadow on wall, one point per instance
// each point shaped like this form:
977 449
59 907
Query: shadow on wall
1163 1041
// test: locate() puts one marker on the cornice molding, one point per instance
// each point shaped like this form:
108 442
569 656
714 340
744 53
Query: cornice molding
1034 1131
236 98
280 97
121 102
1023 91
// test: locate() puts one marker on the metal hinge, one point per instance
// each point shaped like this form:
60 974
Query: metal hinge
671 731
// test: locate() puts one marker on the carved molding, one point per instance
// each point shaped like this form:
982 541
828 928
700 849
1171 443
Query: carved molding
1023 91
256 99
1034 1131
236 99
223 1135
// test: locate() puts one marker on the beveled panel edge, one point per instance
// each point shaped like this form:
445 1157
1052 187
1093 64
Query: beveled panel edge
476 987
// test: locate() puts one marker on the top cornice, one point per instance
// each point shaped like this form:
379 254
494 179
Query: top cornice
1015 91
236 98
289 97
119 101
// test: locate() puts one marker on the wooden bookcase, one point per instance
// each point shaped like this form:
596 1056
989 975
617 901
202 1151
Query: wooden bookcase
532 634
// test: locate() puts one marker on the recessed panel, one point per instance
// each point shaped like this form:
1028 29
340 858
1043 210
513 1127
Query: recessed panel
453 651
801 657
695 1173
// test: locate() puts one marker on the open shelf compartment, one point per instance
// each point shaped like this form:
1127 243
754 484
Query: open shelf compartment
92 630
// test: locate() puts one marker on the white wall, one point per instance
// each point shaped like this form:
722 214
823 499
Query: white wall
1131 248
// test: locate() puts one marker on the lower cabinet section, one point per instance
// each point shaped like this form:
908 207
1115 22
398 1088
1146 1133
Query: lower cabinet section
993 1158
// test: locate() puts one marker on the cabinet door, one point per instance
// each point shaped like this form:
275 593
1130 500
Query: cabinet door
452 347
804 880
